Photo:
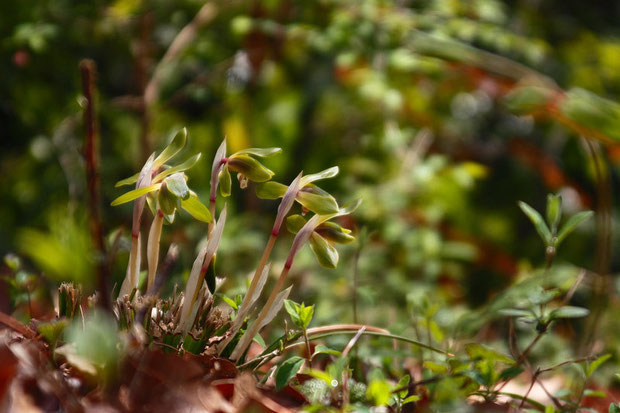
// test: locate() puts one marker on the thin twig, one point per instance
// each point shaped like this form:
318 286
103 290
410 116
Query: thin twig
185 37
15 325
91 149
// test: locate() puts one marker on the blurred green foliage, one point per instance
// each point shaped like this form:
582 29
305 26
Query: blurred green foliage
440 114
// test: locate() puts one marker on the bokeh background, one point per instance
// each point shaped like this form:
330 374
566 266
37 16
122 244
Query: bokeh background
390 91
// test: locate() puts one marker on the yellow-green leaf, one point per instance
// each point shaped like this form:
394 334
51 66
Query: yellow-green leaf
250 167
294 223
179 168
178 143
327 173
225 181
319 204
335 233
136 193
325 253
260 152
270 190
196 208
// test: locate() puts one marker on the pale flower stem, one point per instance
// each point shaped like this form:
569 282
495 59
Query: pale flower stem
130 277
243 310
153 247
246 305
254 328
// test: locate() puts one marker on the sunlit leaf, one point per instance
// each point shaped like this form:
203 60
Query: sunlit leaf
270 190
319 204
321 349
134 194
250 167
178 168
225 182
177 143
327 173
294 223
293 309
592 366
196 208
325 253
335 233
178 185
260 152
128 181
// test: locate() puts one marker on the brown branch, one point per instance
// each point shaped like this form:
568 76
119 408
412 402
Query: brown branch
15 325
91 154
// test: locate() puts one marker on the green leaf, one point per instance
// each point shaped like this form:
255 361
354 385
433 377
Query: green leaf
335 233
128 181
228 301
321 375
134 194
592 111
293 309
324 251
167 200
554 211
306 315
260 152
378 392
327 173
614 408
179 168
249 167
515 312
270 190
594 393
538 221
572 223
178 143
510 372
411 399
294 223
196 208
178 185
568 312
526 99
287 371
435 367
403 382
478 351
225 181
349 207
319 204
52 331
592 366
321 349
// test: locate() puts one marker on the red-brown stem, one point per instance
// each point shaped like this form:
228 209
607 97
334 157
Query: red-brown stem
91 149
15 325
